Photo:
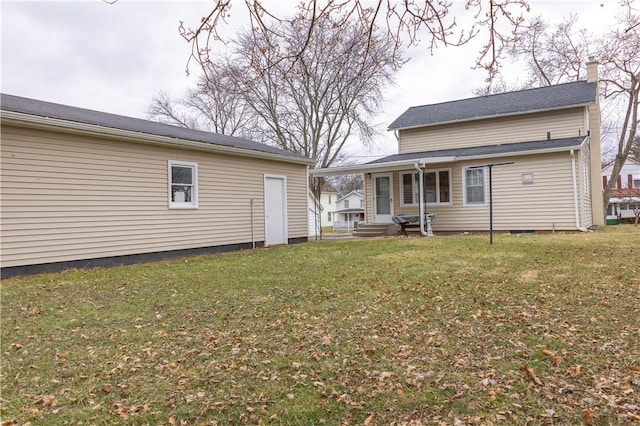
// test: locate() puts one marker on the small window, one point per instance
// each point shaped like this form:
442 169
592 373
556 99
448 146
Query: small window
329 200
474 186
329 216
183 185
407 188
346 204
443 185
361 204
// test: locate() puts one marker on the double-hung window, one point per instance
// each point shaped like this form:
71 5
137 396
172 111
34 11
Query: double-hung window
183 185
474 186
436 187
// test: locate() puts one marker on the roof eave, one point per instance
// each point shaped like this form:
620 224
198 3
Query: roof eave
48 123
521 153
403 164
377 167
486 117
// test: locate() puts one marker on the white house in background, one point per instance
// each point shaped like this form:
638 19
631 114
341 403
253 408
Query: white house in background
625 196
328 200
315 215
350 211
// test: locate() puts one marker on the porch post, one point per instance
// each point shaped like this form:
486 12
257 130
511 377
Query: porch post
421 199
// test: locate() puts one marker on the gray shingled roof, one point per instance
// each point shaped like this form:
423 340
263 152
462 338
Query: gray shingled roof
80 115
547 98
488 150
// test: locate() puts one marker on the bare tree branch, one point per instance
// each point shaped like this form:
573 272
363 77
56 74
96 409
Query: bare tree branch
404 22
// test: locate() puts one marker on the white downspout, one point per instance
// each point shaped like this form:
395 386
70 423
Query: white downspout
420 200
575 193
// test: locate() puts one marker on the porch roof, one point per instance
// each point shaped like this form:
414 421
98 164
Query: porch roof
407 160
354 210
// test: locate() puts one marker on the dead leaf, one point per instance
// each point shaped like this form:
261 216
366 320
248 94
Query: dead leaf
46 400
554 358
532 375
589 416
369 420
575 370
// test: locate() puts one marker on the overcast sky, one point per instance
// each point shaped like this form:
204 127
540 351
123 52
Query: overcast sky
116 57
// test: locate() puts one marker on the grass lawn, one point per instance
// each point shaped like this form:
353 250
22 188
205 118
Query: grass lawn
536 329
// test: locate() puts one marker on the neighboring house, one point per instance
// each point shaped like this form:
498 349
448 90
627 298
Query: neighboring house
328 199
549 137
85 188
625 197
350 212
315 215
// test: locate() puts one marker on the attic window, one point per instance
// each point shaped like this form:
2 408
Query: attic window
183 185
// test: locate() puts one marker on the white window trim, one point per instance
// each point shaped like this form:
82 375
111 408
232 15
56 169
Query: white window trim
464 187
416 190
194 198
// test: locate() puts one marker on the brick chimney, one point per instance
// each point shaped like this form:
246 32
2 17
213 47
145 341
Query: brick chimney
592 71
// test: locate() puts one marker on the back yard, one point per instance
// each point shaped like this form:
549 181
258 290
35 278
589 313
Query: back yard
540 329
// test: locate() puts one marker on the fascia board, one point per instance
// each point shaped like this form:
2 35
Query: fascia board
403 164
46 123
378 167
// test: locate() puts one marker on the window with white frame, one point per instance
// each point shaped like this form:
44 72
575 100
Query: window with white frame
474 186
436 187
346 204
183 185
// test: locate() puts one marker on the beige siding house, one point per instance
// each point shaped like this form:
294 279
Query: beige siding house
84 188
531 156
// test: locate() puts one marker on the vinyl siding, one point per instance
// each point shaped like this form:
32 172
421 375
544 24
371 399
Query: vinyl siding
584 192
69 197
368 198
543 206
522 128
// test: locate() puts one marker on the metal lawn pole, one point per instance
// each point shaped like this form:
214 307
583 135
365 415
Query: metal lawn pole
490 166
490 205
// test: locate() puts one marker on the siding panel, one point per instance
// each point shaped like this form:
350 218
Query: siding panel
68 197
528 127
516 206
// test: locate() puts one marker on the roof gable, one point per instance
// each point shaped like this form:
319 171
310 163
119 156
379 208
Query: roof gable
355 192
608 167
561 96
37 108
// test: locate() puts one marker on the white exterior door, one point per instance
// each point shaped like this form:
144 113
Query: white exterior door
275 210
382 198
